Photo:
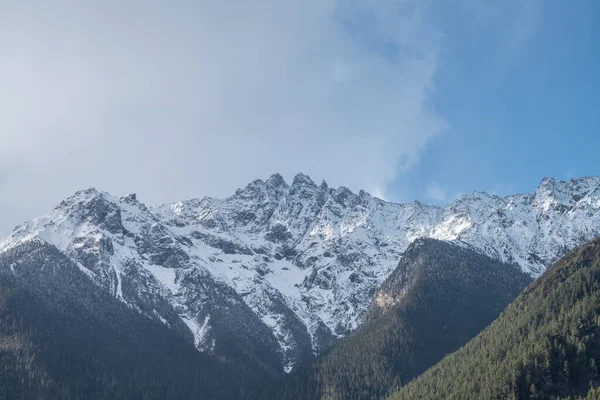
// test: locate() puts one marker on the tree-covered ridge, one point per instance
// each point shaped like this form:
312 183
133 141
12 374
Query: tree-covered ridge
444 296
62 337
545 346
593 394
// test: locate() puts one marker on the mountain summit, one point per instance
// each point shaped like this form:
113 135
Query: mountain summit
277 273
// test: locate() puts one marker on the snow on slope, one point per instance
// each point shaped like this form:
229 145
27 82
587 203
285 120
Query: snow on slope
306 259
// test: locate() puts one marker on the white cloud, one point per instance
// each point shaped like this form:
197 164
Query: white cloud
379 193
198 98
435 193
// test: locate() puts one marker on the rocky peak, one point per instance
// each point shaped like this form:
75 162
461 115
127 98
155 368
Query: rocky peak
251 190
81 197
303 187
346 197
130 198
91 206
550 193
276 181
364 195
561 196
303 180
548 181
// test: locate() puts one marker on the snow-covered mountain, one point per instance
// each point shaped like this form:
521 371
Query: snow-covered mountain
282 271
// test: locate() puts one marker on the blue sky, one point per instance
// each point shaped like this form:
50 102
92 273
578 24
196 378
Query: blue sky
407 99
522 101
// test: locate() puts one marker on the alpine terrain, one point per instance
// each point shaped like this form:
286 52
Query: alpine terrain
438 298
546 345
276 273
64 337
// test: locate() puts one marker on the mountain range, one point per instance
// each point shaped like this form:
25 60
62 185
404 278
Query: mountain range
275 274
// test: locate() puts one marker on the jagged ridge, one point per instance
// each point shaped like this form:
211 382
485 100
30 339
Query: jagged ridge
282 270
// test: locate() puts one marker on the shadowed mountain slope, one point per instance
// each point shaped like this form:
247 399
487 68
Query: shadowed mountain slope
439 297
63 337
546 344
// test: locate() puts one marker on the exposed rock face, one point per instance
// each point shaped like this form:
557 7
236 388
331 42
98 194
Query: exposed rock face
280 271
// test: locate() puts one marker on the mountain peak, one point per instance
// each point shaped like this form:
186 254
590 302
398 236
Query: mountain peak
276 180
303 180
85 196
130 198
550 185
85 193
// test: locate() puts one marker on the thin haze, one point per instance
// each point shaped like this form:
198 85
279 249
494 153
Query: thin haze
180 100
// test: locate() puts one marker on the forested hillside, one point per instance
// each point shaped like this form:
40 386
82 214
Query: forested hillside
440 296
545 346
61 337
